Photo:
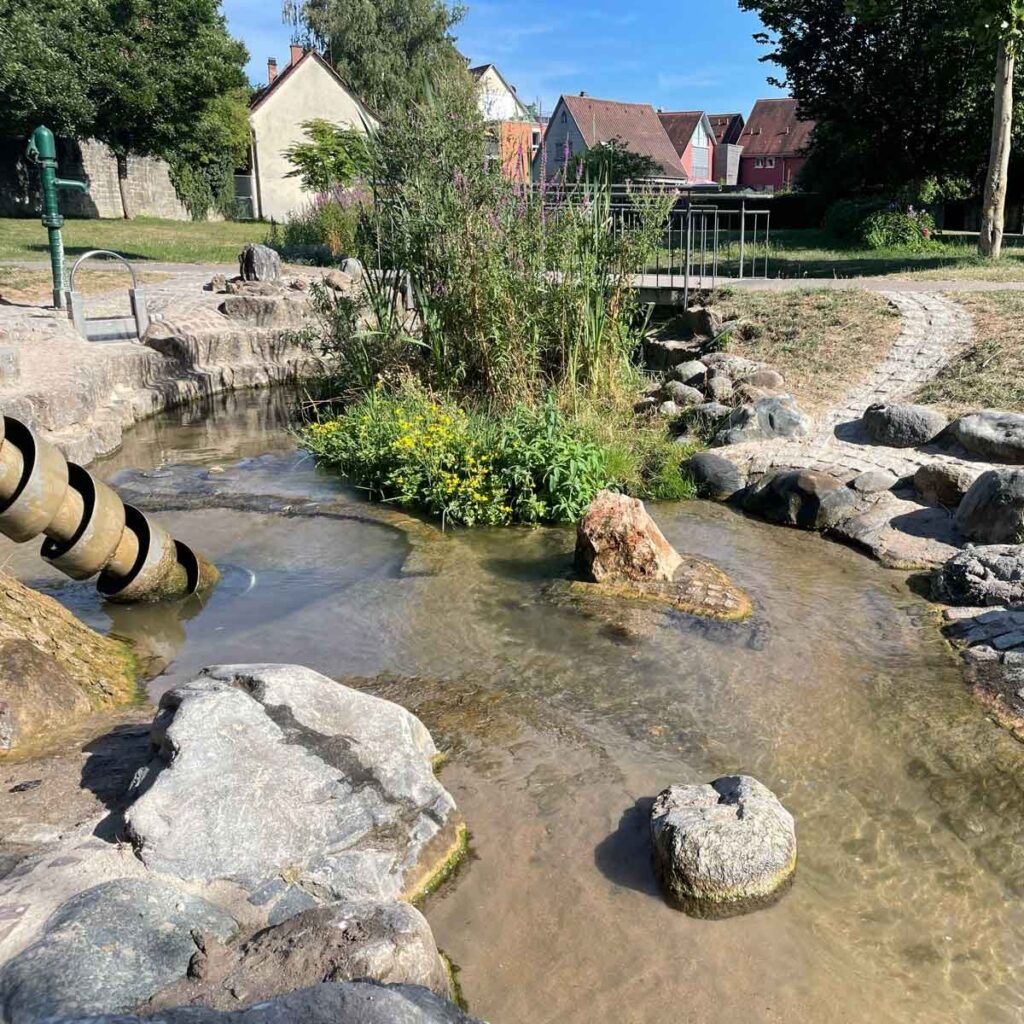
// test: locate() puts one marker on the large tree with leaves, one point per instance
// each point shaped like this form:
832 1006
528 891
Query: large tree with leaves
147 77
387 50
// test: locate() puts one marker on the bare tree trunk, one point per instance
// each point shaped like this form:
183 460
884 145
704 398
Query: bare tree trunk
994 211
122 184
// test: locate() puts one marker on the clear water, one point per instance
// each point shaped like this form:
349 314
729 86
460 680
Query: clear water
563 722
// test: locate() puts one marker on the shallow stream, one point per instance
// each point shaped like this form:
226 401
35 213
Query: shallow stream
563 721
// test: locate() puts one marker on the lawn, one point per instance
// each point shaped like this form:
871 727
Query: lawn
990 374
20 286
822 342
145 238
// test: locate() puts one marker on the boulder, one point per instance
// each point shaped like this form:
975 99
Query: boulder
692 372
662 355
108 949
338 280
765 378
943 483
992 511
712 412
298 789
360 1002
730 842
682 394
618 541
874 482
351 266
719 388
736 367
716 477
259 263
806 498
777 416
282 310
982 576
903 426
994 434
386 941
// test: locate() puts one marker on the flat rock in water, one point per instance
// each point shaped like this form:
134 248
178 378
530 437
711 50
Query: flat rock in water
995 434
715 476
298 789
992 511
805 498
727 845
107 950
904 426
389 942
766 418
361 1002
982 576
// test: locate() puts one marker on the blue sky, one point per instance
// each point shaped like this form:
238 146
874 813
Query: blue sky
676 54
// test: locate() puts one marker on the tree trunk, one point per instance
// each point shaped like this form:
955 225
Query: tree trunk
994 212
122 184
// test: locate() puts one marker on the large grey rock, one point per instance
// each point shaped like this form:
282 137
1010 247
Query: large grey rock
259 263
692 372
682 394
992 511
982 576
737 367
995 434
775 416
766 377
904 426
107 950
716 477
361 1002
384 941
944 483
806 498
730 842
299 789
719 388
287 309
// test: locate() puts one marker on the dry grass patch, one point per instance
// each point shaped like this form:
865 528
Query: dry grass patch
989 374
19 286
822 342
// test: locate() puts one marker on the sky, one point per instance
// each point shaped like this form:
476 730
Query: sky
675 54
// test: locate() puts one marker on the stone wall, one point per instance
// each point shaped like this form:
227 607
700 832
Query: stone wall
150 192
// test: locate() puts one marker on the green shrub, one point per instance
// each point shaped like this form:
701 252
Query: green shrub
844 218
324 230
895 229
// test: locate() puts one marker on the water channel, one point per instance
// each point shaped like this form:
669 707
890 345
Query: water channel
564 720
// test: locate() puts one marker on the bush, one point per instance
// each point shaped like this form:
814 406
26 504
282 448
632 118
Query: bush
894 229
323 231
845 218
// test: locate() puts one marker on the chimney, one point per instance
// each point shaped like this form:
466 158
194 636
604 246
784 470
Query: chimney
582 93
298 52
271 70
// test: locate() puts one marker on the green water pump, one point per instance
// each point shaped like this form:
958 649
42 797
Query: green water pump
42 151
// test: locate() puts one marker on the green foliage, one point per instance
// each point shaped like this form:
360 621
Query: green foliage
387 50
844 218
897 229
612 162
324 230
334 156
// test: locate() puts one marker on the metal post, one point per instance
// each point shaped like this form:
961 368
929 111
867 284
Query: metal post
743 234
767 237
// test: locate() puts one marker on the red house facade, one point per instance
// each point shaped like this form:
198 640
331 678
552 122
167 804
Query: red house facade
694 141
775 142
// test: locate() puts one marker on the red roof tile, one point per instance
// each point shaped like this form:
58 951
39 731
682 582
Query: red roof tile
775 129
636 125
680 127
727 127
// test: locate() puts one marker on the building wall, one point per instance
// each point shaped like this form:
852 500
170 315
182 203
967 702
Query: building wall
562 131
727 164
782 176
516 148
310 92
149 188
496 102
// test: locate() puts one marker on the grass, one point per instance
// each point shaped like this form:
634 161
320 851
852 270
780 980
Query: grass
990 374
145 238
19 286
812 254
822 342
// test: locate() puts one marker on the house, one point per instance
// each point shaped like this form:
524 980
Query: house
691 134
775 142
579 123
728 128
517 133
308 89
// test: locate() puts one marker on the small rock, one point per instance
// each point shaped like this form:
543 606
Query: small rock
661 355
669 410
25 787
874 482
904 426
730 842
765 378
716 477
806 498
298 284
945 484
719 388
982 577
338 280
259 263
218 283
777 416
995 434
736 367
692 372
618 541
712 412
703 321
992 511
683 395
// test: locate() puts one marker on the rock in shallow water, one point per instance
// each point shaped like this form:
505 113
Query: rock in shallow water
715 476
982 576
806 498
730 843
992 511
297 788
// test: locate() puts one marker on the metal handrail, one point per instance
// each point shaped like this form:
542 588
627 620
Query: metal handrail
101 252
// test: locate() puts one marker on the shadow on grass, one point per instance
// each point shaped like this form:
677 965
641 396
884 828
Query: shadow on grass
75 251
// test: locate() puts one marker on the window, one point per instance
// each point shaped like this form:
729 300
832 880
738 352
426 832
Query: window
770 162
563 117
759 162
701 162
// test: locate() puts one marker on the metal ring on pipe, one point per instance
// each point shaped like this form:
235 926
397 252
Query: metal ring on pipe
157 575
40 492
91 548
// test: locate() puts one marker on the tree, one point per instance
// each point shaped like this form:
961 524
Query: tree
147 77
898 89
612 162
1003 21
333 156
387 50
